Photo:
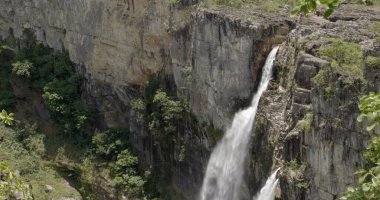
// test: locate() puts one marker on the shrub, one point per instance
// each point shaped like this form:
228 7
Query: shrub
32 140
370 110
126 176
53 74
346 59
139 106
369 181
22 68
166 114
10 183
109 144
306 123
373 62
6 118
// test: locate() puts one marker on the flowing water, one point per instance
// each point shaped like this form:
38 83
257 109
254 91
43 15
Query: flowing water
267 192
225 168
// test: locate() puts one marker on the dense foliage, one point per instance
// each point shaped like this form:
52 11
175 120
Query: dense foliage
307 6
369 181
126 175
7 97
53 74
11 184
50 74
346 59
166 114
6 118
370 110
346 62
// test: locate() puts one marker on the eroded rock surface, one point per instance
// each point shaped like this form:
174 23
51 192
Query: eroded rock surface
213 58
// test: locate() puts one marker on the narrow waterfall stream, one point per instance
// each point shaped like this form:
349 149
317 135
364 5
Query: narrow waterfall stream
268 191
225 168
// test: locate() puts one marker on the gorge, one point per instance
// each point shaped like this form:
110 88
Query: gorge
165 79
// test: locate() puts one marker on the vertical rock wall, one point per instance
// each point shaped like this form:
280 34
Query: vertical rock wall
212 58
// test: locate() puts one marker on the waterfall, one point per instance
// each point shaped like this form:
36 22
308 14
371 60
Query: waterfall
267 192
225 168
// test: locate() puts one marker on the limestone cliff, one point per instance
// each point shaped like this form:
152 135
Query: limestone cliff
212 58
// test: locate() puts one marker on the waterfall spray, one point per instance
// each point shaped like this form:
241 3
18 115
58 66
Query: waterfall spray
225 168
267 192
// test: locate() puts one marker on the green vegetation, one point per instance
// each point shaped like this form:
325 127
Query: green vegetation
113 146
346 58
166 113
370 110
7 97
32 140
306 122
126 175
139 106
54 75
295 171
31 167
21 68
346 61
10 184
375 28
107 145
373 62
308 6
75 151
6 118
369 181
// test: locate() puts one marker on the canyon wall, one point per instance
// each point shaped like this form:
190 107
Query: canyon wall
212 58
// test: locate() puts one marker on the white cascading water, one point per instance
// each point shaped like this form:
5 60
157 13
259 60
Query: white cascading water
225 168
268 191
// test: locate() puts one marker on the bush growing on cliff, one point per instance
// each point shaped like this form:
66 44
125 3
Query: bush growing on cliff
108 144
373 62
139 106
166 113
53 73
370 110
126 176
369 181
346 60
22 68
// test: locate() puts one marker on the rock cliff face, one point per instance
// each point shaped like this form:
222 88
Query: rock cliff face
212 58
331 147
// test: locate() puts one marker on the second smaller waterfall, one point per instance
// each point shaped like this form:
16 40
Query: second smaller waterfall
268 191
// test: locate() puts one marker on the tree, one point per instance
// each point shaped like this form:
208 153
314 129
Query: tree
126 175
370 110
166 114
307 6
369 181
